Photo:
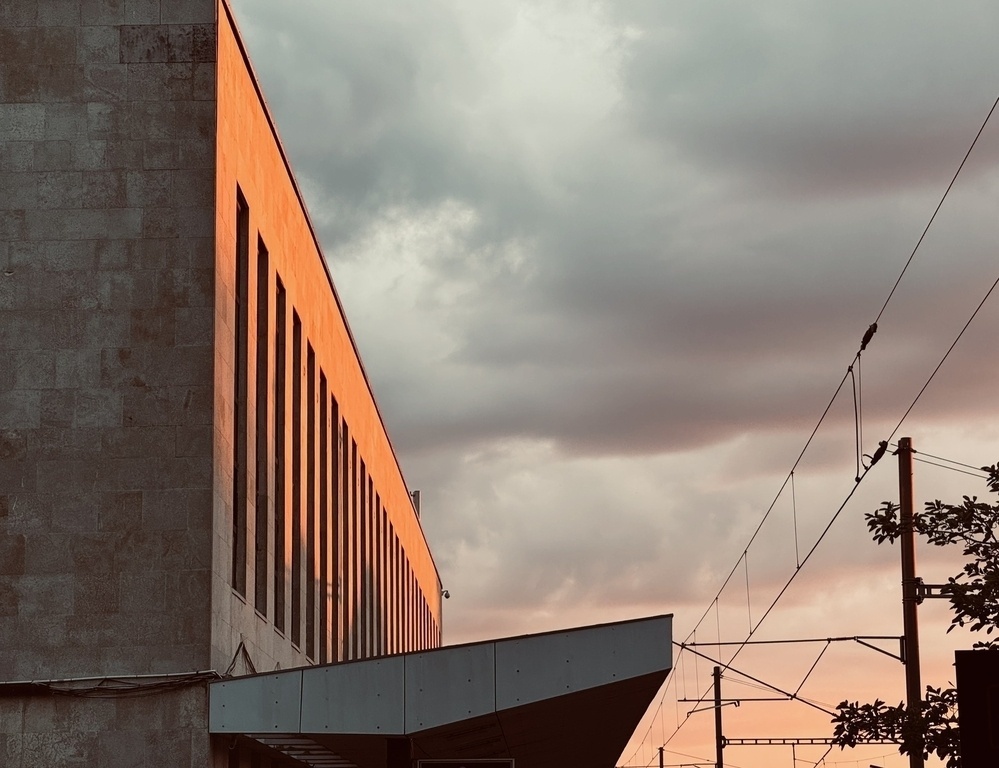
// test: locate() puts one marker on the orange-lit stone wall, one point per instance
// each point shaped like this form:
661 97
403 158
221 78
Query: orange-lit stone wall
318 554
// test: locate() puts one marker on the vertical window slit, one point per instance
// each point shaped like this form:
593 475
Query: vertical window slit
311 510
355 549
364 561
239 467
280 446
262 506
379 581
296 483
336 558
345 531
324 520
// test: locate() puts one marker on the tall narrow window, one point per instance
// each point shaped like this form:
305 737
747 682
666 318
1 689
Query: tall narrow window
335 536
263 433
280 446
324 520
396 592
311 569
383 602
369 569
426 623
355 557
410 609
239 480
420 614
377 600
365 563
407 614
296 483
347 532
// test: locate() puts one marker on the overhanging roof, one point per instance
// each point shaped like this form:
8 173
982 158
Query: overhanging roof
561 698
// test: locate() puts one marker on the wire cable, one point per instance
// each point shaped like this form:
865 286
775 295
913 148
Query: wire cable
856 485
872 329
773 503
936 210
742 645
943 359
759 681
979 475
949 461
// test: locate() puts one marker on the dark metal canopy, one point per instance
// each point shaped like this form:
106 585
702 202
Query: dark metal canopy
561 698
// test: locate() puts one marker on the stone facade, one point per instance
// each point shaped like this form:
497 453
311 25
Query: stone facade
107 156
126 127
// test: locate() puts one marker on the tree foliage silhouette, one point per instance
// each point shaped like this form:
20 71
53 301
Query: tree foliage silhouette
974 599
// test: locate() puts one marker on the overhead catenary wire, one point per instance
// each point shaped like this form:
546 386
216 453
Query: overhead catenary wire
773 503
936 210
949 461
839 639
849 495
872 329
868 337
764 683
794 517
943 359
949 464
812 668
808 555
979 474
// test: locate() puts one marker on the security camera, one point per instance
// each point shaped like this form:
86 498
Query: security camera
446 594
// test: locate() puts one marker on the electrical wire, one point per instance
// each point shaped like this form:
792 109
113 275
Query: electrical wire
729 667
823 758
979 475
114 687
866 340
943 359
936 211
949 461
856 485
794 515
773 503
780 594
841 639
860 475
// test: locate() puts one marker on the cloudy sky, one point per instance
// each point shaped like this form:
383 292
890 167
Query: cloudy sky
607 263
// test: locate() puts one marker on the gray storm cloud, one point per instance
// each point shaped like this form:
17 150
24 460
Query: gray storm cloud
607 262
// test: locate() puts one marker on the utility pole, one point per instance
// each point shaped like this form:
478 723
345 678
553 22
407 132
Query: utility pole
719 739
913 685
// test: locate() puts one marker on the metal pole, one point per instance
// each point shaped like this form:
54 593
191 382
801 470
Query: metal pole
661 750
913 685
719 739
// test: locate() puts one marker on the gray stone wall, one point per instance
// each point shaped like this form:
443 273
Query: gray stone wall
58 730
107 153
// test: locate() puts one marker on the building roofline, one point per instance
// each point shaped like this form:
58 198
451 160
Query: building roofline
322 257
468 644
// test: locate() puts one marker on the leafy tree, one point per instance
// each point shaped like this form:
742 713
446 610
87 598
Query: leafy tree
974 599
933 730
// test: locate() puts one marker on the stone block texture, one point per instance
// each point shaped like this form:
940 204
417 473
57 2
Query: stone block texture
107 146
107 163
